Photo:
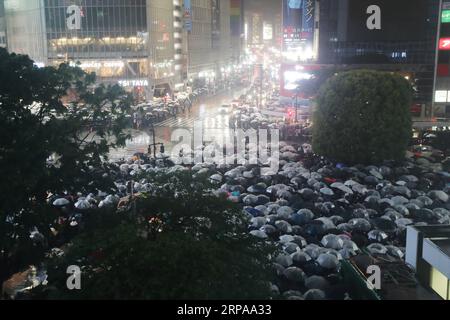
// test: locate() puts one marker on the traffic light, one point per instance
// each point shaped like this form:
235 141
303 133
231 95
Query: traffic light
290 113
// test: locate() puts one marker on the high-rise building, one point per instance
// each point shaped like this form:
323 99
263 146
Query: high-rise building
404 42
263 22
141 44
209 46
2 26
237 28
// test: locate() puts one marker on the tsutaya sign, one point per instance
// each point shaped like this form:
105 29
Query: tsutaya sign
134 83
73 20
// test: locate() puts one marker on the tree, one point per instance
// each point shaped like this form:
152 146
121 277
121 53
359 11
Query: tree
363 117
180 242
50 147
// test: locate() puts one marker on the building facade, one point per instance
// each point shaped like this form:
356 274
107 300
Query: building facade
263 21
428 253
405 42
139 44
442 81
210 49
3 42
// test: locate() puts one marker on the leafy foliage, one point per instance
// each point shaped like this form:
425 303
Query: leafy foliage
179 242
363 117
55 128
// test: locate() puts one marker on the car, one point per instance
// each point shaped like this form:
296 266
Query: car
416 110
225 109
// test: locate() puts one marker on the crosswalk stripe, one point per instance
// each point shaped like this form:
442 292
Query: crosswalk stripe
218 122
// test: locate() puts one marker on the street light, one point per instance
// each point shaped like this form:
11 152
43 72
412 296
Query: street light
297 92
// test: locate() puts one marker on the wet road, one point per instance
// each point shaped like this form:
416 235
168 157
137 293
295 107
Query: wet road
204 111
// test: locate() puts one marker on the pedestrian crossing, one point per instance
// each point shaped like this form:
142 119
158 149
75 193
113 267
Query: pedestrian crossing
212 122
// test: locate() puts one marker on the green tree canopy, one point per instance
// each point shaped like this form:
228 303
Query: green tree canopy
50 147
178 242
363 117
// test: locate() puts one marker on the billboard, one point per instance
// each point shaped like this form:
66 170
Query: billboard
444 44
401 20
292 23
291 74
445 16
308 20
187 15
267 31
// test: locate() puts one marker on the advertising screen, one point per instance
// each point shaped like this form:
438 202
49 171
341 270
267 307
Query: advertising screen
292 22
267 31
444 44
445 16
291 74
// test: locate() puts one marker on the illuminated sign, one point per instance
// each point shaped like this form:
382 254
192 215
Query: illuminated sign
445 16
444 44
309 7
98 64
187 15
291 79
292 23
267 31
292 74
441 96
133 83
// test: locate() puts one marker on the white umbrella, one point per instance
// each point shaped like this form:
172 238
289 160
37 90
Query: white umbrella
61 202
294 274
332 241
328 261
83 204
284 260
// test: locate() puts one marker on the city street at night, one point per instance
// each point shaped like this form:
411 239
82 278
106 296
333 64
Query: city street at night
206 111
271 152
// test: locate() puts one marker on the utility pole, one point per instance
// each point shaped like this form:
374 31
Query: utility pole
436 61
154 144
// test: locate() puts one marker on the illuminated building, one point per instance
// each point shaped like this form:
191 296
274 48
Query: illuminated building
142 45
263 20
428 252
299 30
442 81
209 46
